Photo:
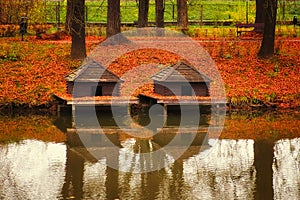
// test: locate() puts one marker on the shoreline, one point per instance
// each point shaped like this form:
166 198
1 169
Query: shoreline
51 109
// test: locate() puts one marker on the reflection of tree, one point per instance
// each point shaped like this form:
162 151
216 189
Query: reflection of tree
9 186
139 155
227 167
286 173
263 160
178 189
111 184
74 176
236 166
142 185
31 170
134 184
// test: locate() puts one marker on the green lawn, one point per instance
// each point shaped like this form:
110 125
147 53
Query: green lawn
205 9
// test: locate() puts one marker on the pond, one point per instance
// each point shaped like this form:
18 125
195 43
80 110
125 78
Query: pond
257 156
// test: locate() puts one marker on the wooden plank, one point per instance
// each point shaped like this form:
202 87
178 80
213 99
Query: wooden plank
113 130
102 102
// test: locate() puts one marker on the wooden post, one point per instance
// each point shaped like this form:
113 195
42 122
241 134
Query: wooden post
58 110
73 116
165 113
218 113
129 110
201 15
173 12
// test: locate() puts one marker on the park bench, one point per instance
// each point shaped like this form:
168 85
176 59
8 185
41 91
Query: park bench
258 27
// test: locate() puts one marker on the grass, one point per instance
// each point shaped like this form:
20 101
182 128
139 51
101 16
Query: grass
211 11
206 31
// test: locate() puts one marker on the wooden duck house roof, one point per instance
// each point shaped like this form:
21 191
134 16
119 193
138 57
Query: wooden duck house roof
180 72
92 71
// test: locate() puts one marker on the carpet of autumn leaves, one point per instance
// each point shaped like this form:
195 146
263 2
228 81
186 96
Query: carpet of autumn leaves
250 81
32 71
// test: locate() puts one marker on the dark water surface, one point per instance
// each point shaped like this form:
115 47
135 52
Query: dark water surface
256 157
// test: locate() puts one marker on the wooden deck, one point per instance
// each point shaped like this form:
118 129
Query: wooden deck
67 99
181 100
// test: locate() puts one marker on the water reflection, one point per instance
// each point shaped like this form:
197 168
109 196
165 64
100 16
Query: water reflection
286 169
227 172
32 170
211 169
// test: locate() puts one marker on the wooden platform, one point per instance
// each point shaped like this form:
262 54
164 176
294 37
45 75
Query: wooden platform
180 100
66 99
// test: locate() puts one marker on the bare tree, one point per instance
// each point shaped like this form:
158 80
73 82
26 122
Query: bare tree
159 8
267 45
113 18
182 15
143 13
78 48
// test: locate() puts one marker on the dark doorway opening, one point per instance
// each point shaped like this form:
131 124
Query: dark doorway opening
97 90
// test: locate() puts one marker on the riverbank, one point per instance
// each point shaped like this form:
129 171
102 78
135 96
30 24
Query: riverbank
32 71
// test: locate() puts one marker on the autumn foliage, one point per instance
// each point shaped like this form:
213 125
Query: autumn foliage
32 71
251 81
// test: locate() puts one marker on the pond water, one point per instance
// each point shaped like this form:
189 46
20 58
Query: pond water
257 156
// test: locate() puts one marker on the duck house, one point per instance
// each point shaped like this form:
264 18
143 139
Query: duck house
181 79
92 79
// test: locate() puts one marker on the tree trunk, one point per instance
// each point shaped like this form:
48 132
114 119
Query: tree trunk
267 45
159 8
260 13
1 12
143 13
113 18
182 15
78 49
282 6
68 16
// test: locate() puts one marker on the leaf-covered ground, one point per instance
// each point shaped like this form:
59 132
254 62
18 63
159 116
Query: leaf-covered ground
32 71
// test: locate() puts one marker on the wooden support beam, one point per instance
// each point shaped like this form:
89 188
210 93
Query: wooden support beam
73 116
